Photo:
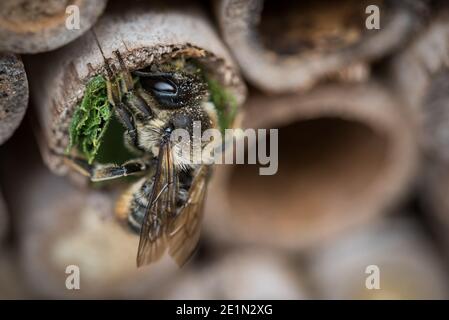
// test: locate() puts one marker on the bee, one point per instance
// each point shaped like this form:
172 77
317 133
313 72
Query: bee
166 205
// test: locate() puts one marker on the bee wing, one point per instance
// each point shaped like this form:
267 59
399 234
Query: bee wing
184 229
161 206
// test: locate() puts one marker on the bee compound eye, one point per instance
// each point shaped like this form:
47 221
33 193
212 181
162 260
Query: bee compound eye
164 87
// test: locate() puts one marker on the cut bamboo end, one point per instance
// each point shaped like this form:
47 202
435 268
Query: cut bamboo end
13 94
247 274
435 117
434 185
346 153
143 34
28 26
413 70
420 76
64 229
59 226
396 251
314 40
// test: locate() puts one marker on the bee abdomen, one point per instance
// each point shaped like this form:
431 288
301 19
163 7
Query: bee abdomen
139 204
133 204
126 200
135 218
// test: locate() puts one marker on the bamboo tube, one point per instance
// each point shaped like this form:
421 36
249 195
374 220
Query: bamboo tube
58 225
435 175
346 153
13 94
409 267
61 227
285 46
412 71
420 75
143 34
245 274
28 26
103 250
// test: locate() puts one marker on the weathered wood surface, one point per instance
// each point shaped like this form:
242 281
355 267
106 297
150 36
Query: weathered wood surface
346 154
13 94
143 34
315 24
28 26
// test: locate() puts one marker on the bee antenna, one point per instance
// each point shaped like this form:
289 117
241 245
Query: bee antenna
124 68
106 63
120 60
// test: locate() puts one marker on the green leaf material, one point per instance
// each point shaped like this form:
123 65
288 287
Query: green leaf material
224 102
91 119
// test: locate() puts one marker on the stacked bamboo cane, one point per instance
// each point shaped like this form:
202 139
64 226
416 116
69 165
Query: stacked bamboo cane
346 153
123 29
28 26
108 250
14 94
354 107
420 76
347 146
313 40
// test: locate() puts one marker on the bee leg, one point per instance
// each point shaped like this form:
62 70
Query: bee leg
97 172
135 102
127 120
111 171
126 80
124 115
121 96
133 98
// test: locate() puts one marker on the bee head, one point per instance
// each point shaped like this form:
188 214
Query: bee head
179 94
179 98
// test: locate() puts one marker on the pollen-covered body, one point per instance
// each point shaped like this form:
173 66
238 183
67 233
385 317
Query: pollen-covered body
150 131
133 202
165 204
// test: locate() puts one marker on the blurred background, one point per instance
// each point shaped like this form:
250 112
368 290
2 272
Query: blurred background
359 91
